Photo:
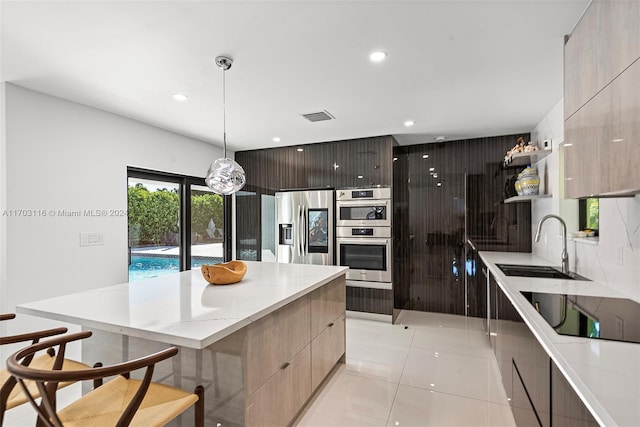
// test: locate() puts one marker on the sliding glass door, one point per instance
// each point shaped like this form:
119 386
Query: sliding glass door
207 226
175 223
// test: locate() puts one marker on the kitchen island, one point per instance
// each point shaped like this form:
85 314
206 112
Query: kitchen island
260 347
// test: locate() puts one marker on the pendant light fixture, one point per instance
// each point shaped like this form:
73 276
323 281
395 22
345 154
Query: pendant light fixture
225 176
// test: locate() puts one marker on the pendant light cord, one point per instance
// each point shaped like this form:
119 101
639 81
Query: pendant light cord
224 115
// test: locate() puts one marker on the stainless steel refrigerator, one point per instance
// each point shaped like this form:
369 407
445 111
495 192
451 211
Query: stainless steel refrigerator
306 231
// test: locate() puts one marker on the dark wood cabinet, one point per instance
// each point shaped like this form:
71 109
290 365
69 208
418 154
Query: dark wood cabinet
319 166
523 411
324 165
365 162
524 365
566 407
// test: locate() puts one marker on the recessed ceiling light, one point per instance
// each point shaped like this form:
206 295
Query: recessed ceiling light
378 56
440 138
425 156
276 139
300 149
409 123
180 97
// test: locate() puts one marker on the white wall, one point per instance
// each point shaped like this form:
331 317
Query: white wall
63 155
615 259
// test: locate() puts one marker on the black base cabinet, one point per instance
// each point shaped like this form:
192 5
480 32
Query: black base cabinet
523 412
538 392
523 363
566 407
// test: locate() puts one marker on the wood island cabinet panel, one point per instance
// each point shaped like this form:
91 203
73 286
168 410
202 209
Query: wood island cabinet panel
326 349
274 340
278 400
327 303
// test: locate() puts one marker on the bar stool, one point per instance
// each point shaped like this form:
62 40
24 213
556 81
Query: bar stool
122 401
12 396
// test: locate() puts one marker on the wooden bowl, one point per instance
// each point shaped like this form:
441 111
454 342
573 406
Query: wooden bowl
224 273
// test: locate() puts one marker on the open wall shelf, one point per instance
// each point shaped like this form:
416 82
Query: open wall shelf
523 159
518 199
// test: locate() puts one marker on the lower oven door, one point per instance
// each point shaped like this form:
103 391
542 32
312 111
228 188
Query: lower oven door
368 259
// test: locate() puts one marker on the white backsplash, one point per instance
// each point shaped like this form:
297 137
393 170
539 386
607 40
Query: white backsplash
615 258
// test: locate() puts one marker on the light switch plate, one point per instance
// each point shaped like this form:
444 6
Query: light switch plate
91 239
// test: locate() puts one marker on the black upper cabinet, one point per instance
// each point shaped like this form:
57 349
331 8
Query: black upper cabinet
319 161
365 162
325 165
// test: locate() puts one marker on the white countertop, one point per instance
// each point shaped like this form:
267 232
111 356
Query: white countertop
182 308
605 374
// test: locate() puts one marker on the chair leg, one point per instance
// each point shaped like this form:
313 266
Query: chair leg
199 407
98 381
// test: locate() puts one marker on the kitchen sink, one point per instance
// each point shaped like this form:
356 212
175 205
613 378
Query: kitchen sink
537 271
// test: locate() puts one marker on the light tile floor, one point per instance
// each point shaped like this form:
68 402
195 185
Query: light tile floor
428 369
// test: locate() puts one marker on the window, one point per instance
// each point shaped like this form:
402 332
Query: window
589 215
175 223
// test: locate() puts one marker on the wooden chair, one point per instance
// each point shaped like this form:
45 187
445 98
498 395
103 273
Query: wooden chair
12 396
122 401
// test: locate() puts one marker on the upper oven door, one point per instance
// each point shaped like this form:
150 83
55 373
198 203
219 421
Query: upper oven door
368 259
371 213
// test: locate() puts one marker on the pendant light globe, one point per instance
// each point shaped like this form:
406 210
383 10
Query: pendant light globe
225 175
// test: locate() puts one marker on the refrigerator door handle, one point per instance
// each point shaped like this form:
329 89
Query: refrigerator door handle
299 237
303 234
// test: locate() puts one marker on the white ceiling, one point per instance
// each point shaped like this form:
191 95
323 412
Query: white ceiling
457 68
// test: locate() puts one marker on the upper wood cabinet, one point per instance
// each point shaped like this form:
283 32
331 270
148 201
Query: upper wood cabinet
603 44
619 149
602 101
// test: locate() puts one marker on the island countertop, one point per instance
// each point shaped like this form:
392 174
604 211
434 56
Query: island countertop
182 308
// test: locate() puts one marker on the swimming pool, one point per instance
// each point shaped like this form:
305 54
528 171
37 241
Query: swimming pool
144 267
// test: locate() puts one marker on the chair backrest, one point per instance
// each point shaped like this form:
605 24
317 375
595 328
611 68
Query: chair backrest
47 380
6 387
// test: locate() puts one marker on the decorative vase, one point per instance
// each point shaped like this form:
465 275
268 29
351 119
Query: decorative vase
518 186
530 182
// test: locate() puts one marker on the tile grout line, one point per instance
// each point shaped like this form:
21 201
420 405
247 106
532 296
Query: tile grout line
404 365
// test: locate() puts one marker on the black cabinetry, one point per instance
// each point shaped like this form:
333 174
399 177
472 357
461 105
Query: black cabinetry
524 365
538 392
451 194
566 407
360 162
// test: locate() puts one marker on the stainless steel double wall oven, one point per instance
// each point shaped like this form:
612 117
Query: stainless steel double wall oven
363 235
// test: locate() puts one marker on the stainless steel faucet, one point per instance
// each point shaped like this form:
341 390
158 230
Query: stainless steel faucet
565 255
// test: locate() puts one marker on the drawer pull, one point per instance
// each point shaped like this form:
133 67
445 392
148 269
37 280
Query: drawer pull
285 366
330 324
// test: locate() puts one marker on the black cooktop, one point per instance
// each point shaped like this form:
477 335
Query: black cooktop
606 318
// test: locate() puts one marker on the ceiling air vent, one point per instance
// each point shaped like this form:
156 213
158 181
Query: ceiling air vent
318 117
